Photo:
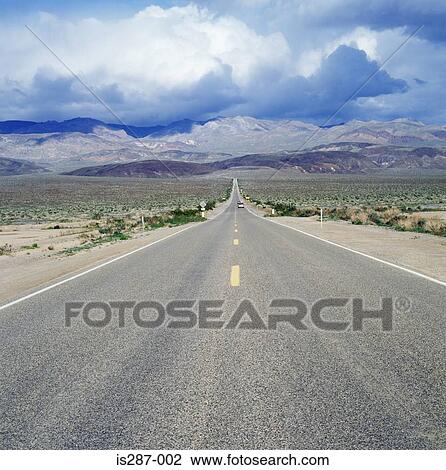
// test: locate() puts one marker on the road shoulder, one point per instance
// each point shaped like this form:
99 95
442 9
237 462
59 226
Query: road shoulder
21 275
422 253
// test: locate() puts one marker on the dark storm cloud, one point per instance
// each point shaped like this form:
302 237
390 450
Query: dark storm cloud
62 97
341 74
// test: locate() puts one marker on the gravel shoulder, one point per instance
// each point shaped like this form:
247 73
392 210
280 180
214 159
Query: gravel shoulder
23 273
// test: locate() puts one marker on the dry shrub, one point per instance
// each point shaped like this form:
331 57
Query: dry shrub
384 216
405 224
417 220
413 222
5 249
390 215
350 212
88 236
341 213
435 226
306 211
360 217
373 217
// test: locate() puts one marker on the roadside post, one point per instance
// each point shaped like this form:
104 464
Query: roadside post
321 215
142 223
203 207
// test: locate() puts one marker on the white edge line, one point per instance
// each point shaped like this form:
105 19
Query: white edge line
94 268
388 263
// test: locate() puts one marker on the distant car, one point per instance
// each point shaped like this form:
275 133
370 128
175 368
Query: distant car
240 205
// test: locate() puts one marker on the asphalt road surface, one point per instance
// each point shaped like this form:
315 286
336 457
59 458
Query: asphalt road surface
137 386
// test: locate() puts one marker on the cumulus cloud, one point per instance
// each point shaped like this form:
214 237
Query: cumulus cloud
156 58
345 71
162 64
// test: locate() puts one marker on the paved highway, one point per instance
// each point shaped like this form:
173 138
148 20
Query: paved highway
139 387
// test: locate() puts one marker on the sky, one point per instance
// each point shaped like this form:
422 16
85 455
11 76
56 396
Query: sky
154 62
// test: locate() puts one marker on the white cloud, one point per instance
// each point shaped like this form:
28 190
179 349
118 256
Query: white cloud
361 38
155 50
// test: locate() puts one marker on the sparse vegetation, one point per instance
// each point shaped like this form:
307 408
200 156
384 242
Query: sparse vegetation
116 236
87 212
58 199
5 249
393 202
406 192
30 247
116 229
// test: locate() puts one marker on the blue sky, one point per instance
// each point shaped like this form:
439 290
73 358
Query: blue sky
156 62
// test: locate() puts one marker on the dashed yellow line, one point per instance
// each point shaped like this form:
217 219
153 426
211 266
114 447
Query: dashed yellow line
235 241
235 275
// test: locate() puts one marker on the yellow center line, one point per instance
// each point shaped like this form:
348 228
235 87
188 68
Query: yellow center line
235 241
235 275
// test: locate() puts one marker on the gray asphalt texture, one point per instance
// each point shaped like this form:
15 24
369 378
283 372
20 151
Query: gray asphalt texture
130 387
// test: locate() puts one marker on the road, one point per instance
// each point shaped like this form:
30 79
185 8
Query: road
135 387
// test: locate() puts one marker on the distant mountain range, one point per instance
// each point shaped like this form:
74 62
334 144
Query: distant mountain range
358 159
81 142
88 126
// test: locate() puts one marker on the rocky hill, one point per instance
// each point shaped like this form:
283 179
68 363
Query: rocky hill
12 167
82 142
358 159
